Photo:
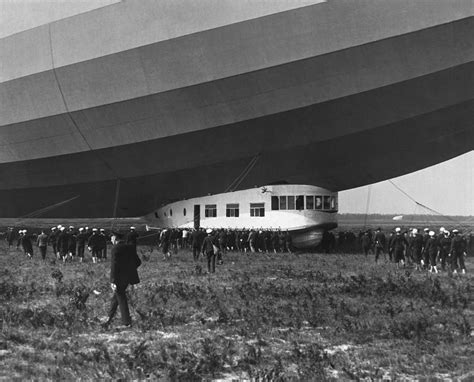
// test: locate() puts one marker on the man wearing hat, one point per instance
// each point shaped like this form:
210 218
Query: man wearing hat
124 262
457 252
208 248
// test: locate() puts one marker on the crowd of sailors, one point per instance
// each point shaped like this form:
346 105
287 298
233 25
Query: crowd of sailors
423 249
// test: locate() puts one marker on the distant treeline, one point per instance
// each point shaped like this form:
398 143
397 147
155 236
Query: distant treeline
106 223
358 221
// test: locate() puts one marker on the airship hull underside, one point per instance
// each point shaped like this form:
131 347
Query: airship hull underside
289 96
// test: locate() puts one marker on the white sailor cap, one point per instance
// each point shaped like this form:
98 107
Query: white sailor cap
415 231
398 229
441 229
59 226
62 229
24 231
426 229
431 233
102 230
53 228
71 227
209 230
132 227
81 229
94 229
455 231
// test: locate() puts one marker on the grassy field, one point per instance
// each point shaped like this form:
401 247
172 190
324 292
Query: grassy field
264 317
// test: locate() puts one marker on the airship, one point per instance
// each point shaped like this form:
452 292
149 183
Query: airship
119 111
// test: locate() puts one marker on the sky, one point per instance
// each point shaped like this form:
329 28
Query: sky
447 187
19 15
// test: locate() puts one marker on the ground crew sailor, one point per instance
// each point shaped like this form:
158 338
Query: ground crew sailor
72 243
25 241
457 252
53 239
63 243
431 250
196 243
42 243
426 257
103 244
10 236
132 237
444 246
366 242
416 248
81 244
93 244
379 243
398 246
208 249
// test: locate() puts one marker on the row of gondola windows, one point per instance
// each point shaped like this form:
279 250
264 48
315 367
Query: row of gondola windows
233 210
290 202
286 202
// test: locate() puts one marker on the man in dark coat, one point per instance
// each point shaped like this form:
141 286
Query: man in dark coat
124 262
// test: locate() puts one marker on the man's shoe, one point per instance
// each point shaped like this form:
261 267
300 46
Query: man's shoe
105 324
124 327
